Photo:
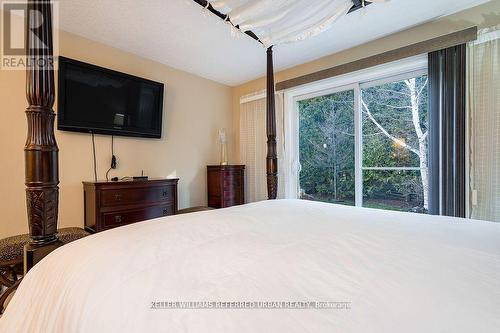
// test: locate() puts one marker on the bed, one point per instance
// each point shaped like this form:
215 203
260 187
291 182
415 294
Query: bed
399 272
282 265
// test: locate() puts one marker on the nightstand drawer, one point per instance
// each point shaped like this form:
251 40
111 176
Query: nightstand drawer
231 182
136 196
119 218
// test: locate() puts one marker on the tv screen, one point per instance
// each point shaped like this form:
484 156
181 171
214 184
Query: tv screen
102 101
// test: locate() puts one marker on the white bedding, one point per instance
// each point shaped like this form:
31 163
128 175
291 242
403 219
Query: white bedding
401 272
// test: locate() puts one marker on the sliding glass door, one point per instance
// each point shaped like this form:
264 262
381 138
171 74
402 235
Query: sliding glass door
366 145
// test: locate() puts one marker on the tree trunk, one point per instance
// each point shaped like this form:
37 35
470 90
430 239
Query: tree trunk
424 173
422 139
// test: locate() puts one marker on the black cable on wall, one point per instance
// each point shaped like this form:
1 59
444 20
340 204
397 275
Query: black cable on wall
95 162
113 157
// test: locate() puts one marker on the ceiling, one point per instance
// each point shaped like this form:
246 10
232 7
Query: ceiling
176 33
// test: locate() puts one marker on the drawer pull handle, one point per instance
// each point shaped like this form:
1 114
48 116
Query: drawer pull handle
164 193
165 211
118 197
118 218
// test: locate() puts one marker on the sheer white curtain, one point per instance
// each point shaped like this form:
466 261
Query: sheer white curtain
253 145
484 119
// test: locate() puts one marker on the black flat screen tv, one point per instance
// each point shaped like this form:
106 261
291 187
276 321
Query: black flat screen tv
98 100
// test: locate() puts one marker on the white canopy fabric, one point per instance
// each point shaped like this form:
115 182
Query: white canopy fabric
283 21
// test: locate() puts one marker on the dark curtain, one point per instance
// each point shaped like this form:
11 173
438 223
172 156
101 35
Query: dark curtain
447 131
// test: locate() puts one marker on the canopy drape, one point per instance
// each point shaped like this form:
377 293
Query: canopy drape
283 21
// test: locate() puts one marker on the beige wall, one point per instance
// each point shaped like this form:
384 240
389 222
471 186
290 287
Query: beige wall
484 15
194 109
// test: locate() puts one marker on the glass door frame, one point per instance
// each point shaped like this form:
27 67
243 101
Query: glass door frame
355 81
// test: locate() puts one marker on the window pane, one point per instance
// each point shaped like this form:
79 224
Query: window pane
395 124
393 190
326 148
394 129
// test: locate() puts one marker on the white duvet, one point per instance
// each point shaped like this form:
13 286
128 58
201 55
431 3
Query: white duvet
400 272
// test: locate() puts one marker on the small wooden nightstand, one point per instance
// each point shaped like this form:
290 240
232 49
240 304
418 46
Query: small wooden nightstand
226 185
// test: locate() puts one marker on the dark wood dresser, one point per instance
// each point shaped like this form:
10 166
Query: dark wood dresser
226 185
113 204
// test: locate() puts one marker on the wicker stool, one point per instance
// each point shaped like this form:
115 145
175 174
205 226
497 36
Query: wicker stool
11 258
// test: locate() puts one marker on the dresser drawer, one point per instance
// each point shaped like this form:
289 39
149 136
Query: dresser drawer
232 173
229 194
233 180
118 218
230 202
137 195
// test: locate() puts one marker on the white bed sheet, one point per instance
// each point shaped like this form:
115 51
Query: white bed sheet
401 272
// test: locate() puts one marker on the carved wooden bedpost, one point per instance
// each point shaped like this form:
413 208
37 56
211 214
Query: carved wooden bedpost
41 152
272 158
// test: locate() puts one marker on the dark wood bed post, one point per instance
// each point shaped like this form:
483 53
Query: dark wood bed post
272 158
41 152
